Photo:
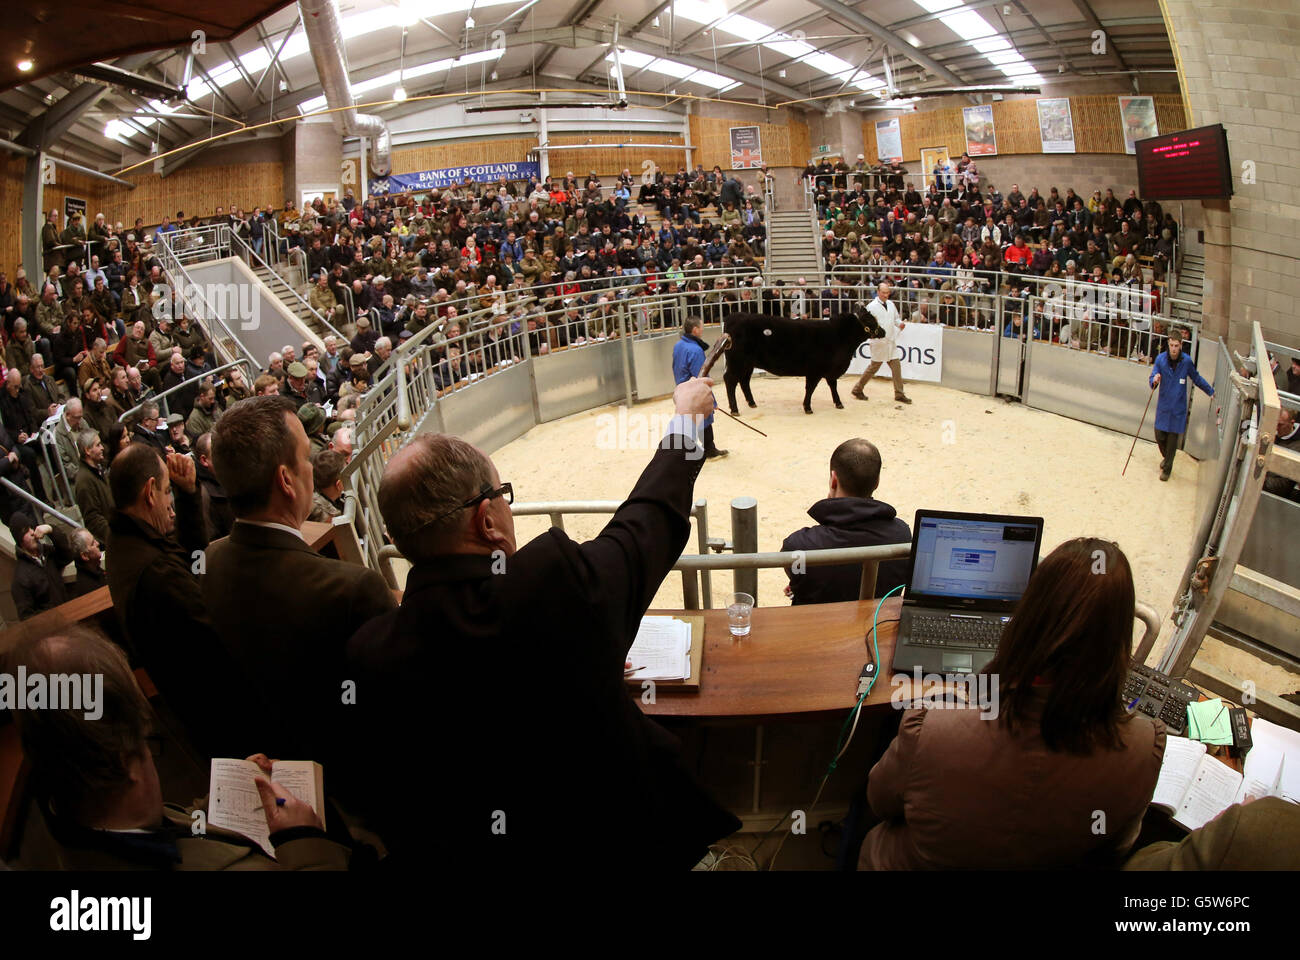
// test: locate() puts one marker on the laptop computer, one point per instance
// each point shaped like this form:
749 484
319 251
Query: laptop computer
968 570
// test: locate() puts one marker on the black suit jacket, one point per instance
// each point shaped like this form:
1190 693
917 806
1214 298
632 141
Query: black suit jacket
154 582
285 613
494 699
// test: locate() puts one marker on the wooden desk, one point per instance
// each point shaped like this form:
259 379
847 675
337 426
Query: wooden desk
796 661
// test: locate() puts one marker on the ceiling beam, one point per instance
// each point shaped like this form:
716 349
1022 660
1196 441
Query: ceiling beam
1091 17
894 41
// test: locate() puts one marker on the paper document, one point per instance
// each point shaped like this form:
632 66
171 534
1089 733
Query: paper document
661 650
1208 722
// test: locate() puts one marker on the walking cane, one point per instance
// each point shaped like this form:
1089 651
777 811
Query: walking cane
1135 436
723 343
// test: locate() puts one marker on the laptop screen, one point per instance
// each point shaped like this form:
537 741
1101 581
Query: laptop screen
974 558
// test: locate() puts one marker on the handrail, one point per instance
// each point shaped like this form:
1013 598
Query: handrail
188 285
154 398
41 504
287 285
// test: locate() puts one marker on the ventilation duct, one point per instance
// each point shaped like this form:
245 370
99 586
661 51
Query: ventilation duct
320 22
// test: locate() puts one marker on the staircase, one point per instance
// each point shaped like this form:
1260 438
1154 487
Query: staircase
793 247
284 292
1186 304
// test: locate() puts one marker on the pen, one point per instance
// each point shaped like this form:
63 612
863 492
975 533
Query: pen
1134 703
279 802
631 670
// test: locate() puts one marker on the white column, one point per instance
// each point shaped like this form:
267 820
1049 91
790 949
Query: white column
686 136
361 175
543 136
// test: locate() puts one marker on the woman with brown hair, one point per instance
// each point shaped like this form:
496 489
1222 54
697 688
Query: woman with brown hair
1053 771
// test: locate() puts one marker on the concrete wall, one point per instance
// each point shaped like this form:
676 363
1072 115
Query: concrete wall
1238 65
317 158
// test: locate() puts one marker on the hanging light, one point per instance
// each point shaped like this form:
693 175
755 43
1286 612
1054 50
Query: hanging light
399 93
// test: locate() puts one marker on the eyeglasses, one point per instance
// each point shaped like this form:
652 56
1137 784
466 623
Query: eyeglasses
485 493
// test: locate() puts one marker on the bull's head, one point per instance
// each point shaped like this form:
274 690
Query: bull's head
867 323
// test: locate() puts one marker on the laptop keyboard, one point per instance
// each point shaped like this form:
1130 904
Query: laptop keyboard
929 630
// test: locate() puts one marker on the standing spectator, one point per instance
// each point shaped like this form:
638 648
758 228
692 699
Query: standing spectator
155 550
91 491
293 651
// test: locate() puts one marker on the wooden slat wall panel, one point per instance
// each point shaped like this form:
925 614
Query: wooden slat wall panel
1096 126
195 191
784 145
11 209
436 156
611 160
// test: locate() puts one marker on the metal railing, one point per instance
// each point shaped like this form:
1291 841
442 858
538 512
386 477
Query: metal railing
194 302
691 587
160 399
240 248
43 507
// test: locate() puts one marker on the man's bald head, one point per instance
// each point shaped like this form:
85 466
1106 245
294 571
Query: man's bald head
423 486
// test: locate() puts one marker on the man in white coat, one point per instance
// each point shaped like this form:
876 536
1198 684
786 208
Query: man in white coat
884 350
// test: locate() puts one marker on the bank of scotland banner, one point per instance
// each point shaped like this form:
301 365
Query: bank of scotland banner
452 176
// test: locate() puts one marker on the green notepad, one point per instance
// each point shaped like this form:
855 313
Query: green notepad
1207 721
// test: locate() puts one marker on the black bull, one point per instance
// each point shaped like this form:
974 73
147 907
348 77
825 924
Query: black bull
812 349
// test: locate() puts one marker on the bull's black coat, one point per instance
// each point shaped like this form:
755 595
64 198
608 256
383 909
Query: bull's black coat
812 349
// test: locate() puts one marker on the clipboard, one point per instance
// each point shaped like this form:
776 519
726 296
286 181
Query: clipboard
697 662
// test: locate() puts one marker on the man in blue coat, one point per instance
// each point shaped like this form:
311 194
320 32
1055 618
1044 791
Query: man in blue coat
688 358
1170 373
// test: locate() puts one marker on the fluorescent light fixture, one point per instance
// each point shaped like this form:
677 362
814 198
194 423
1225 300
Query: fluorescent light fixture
630 58
705 78
670 68
827 63
1017 69
968 25
745 28
794 49
991 44
1004 56
700 11
934 6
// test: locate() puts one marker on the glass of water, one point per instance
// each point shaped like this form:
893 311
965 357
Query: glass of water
738 613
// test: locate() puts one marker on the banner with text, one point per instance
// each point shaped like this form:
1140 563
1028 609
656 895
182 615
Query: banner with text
889 140
452 176
920 347
746 148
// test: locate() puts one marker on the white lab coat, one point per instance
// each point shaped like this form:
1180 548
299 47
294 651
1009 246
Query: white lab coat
886 314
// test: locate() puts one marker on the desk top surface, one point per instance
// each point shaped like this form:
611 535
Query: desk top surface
796 660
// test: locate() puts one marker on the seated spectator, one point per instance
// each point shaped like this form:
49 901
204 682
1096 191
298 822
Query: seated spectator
1288 435
327 502
206 412
1261 834
177 441
91 491
66 431
848 517
1018 787
146 428
38 566
98 790
292 651
448 512
42 390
